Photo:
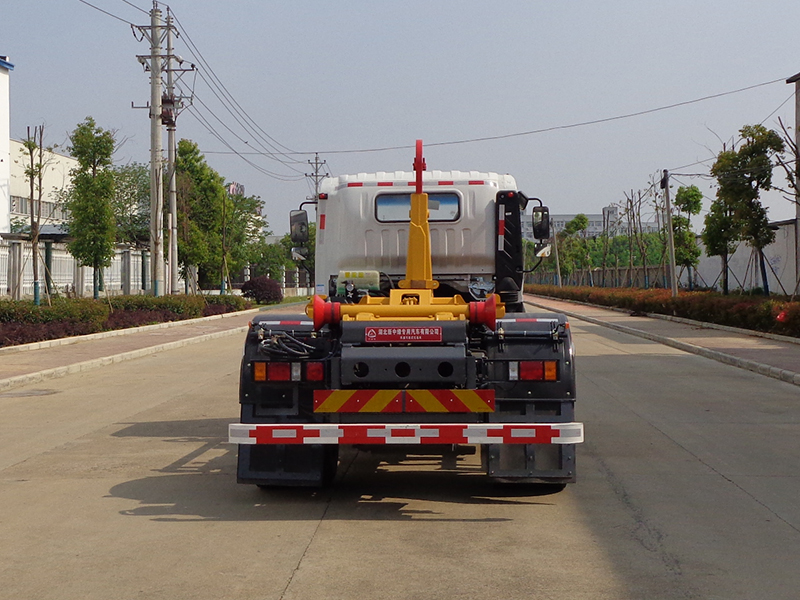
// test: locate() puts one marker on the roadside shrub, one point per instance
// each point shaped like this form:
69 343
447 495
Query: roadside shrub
22 322
771 315
12 334
123 319
229 302
263 290
61 310
182 306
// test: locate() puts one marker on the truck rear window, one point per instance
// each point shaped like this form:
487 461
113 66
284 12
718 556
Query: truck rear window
394 208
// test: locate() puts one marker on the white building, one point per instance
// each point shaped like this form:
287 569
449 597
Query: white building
5 154
14 186
745 273
55 179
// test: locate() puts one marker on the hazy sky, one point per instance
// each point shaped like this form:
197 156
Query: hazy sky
354 75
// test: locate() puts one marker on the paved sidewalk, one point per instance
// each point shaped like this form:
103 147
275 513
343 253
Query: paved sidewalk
774 356
22 365
30 363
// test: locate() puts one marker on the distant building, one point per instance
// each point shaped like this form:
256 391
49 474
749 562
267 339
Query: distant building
5 154
15 189
235 189
55 179
610 221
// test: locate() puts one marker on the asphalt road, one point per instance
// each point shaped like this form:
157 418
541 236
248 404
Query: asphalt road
118 483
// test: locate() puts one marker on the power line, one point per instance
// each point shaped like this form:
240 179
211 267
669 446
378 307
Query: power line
136 7
240 154
210 128
217 82
779 107
705 160
559 127
554 128
107 13
245 127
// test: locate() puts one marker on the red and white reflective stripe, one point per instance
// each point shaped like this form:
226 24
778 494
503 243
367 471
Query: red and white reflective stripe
383 434
444 182
303 323
527 320
501 228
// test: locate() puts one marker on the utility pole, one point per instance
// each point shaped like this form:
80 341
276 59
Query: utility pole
317 176
555 250
156 167
170 114
152 63
171 107
796 81
673 271
163 108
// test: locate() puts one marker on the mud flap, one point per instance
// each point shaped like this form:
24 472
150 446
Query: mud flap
287 465
543 463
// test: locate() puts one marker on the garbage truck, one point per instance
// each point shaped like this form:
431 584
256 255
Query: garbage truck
417 340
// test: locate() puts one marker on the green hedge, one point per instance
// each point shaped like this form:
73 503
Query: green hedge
62 310
22 321
775 314
185 307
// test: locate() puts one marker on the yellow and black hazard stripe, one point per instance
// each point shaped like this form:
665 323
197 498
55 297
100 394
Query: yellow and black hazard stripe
398 401
353 401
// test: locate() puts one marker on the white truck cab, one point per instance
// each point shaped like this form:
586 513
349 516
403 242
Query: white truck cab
363 222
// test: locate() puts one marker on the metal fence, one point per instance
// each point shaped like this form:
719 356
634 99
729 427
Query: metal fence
638 277
65 275
744 271
128 273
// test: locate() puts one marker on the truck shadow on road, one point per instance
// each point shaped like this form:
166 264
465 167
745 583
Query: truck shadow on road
201 485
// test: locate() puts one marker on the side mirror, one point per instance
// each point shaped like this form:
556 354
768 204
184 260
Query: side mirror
298 227
540 218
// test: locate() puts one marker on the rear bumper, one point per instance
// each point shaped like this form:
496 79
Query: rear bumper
384 434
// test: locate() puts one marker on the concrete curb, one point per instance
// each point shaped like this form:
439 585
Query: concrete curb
728 328
698 324
28 378
769 371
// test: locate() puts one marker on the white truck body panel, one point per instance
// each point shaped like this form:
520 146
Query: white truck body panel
461 248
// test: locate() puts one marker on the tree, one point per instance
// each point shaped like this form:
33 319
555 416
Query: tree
35 167
688 201
131 204
269 259
307 263
91 223
575 252
741 175
720 236
243 231
201 199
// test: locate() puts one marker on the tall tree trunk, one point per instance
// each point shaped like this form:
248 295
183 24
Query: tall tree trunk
725 273
762 264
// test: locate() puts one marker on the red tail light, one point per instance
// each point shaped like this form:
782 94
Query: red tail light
279 371
288 371
315 371
533 370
